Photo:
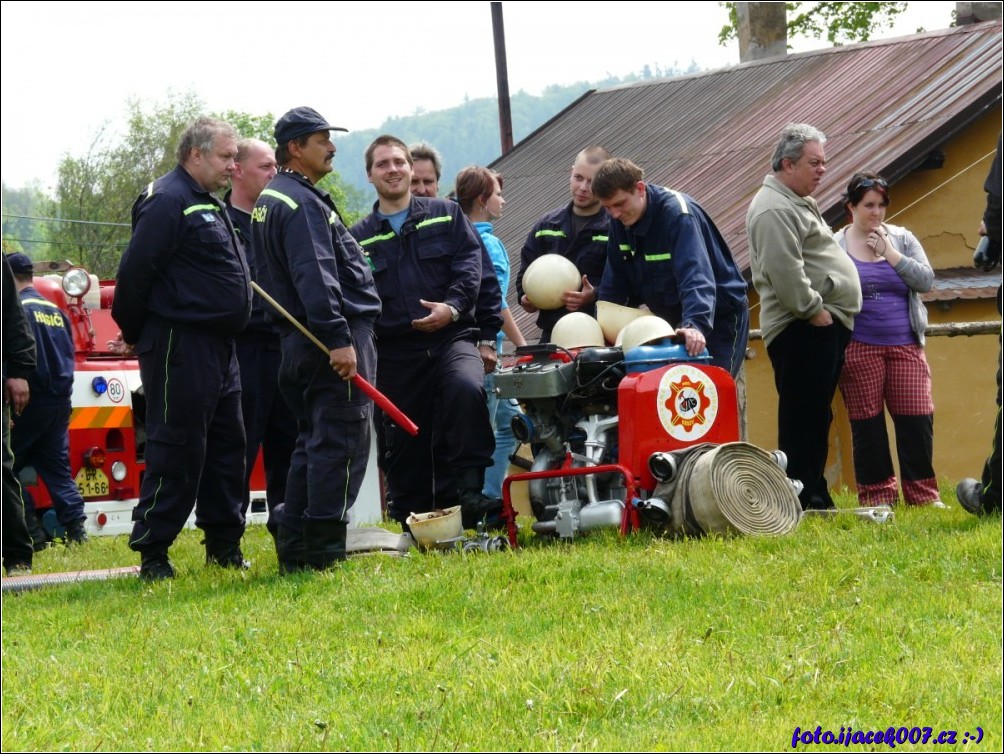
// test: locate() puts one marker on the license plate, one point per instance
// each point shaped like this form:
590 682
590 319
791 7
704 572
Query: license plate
92 482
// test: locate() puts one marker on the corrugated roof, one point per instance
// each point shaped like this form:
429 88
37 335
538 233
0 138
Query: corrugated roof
886 104
963 283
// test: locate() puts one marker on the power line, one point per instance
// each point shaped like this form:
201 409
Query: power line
63 220
65 243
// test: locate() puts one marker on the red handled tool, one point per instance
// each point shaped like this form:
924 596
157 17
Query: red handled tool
379 398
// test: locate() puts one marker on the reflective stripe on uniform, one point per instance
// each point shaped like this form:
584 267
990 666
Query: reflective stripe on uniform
434 220
200 208
377 239
288 201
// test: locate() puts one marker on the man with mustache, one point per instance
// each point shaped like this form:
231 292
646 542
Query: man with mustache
316 271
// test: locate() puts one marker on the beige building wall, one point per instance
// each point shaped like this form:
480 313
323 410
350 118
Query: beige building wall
945 219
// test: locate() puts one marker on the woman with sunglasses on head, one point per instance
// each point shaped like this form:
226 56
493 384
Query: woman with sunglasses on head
884 365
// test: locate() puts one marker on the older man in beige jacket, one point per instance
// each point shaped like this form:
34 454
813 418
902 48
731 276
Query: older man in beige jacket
809 293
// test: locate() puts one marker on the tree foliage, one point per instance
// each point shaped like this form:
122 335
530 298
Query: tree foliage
838 22
20 207
91 210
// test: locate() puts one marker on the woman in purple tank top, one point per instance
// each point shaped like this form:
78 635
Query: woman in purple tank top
884 365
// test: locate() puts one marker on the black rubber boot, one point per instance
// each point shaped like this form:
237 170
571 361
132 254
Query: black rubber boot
76 534
476 507
155 565
40 538
324 541
289 549
225 554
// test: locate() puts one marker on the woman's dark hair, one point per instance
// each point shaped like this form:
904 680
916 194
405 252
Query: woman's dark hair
861 184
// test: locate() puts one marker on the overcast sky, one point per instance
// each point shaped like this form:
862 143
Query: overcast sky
66 69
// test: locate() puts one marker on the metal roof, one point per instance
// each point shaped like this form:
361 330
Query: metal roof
885 104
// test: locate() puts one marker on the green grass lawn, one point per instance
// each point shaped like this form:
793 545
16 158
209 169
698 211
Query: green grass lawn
603 644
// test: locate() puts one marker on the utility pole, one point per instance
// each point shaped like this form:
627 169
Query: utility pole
502 76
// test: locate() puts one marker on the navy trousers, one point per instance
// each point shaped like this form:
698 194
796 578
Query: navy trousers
333 425
195 436
442 390
41 439
268 422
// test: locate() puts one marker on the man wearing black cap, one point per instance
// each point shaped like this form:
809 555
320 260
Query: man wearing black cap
183 292
40 437
316 271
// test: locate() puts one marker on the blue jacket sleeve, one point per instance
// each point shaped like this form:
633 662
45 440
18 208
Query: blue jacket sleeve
694 275
615 286
467 266
156 235
313 268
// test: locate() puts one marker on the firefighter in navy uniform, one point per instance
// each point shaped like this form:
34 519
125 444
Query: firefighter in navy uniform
40 437
268 422
18 361
315 270
427 262
578 232
183 292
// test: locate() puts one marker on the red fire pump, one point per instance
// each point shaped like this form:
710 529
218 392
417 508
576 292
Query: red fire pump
604 426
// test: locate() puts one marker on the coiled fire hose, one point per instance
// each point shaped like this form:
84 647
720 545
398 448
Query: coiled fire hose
735 488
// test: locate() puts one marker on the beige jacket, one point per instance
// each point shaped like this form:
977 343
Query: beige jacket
798 267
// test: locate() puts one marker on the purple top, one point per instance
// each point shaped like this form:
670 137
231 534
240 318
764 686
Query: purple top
884 319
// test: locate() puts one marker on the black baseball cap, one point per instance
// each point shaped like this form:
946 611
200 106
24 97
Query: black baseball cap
19 263
301 121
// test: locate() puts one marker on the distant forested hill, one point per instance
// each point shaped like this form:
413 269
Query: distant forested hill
468 133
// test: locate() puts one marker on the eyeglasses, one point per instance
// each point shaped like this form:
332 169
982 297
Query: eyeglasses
867 183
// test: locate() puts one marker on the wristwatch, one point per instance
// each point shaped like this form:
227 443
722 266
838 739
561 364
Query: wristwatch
454 313
487 343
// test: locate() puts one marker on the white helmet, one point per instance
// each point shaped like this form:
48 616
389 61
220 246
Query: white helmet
643 330
430 528
547 278
613 318
577 330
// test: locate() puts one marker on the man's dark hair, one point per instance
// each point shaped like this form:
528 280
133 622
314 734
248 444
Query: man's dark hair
282 155
382 141
616 175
